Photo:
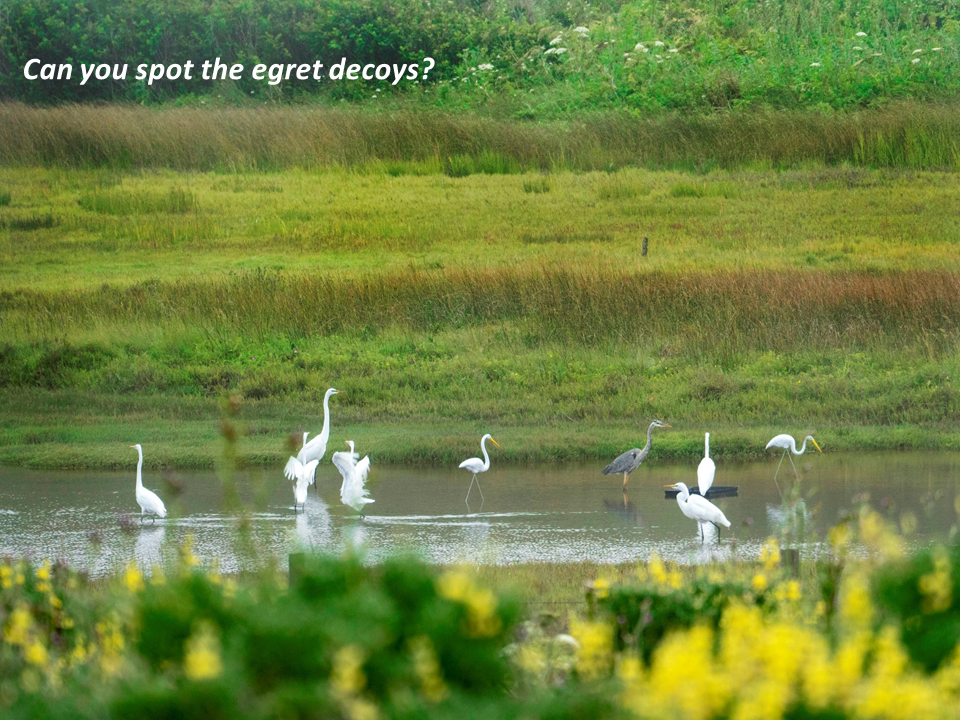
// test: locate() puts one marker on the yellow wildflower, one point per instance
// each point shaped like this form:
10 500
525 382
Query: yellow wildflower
856 609
202 659
133 578
18 626
595 654
6 576
877 535
35 653
937 586
482 619
187 558
111 645
347 677
671 694
43 572
759 582
601 587
427 668
657 571
770 554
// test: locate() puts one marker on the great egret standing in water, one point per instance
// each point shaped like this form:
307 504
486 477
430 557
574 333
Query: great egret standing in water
316 448
789 445
631 459
353 492
148 501
707 468
699 508
305 475
477 466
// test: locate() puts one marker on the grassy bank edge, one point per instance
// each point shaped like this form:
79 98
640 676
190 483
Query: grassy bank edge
90 446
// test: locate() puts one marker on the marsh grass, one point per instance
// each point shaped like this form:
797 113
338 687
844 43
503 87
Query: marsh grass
177 200
28 222
6 197
905 135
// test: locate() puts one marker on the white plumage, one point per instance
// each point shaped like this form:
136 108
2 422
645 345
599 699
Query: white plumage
305 475
788 443
698 508
477 466
353 491
316 448
707 468
148 501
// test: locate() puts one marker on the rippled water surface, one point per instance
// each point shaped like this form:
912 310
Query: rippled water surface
551 513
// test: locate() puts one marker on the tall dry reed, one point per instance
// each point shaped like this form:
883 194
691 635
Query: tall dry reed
693 313
127 136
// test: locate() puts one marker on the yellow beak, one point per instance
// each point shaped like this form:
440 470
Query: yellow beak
133 447
815 445
495 443
669 487
669 426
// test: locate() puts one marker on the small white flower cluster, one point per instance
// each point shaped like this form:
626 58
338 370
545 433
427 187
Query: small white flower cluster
555 51
485 66
581 31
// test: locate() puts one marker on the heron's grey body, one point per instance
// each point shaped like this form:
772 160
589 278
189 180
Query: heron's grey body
631 459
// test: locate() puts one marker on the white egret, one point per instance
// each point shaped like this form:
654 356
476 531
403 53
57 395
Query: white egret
631 459
789 445
305 475
315 449
353 492
477 466
148 501
697 507
707 468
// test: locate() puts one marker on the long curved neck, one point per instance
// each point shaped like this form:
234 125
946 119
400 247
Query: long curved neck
803 448
140 469
649 438
486 457
683 495
706 445
325 433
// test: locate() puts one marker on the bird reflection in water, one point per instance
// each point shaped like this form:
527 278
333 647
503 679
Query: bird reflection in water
148 550
625 508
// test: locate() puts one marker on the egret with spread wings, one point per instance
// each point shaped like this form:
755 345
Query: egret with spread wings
353 491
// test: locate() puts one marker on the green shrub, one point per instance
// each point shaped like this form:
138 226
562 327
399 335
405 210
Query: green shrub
922 595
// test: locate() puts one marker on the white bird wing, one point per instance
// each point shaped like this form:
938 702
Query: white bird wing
149 502
706 511
474 465
705 474
313 450
292 469
353 493
781 441
345 463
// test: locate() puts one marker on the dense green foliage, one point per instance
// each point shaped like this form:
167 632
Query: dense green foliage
529 59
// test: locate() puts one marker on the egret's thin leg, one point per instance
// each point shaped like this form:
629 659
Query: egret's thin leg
778 472
794 468
718 530
481 493
467 498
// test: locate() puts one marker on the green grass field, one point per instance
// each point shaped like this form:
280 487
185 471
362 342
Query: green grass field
820 299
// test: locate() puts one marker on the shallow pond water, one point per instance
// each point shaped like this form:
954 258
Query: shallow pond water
548 513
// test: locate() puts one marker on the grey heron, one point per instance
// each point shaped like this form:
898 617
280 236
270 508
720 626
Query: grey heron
698 508
631 459
477 466
789 445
